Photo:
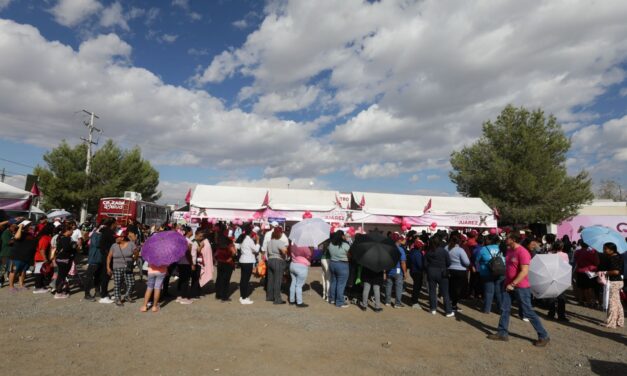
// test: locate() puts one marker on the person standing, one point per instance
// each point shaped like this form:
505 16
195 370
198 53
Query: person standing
22 254
277 253
558 304
42 256
154 282
225 254
397 275
371 280
517 262
107 239
185 265
325 260
249 249
94 265
416 268
5 252
64 257
299 269
586 262
458 270
437 261
491 278
121 259
613 266
338 252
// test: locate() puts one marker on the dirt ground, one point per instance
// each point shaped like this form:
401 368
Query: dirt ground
44 336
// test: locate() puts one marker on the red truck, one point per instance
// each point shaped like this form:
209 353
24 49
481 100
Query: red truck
132 207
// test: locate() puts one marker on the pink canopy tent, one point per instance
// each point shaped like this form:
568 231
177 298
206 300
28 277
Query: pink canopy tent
12 198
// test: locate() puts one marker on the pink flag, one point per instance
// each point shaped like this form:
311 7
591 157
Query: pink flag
362 203
35 190
427 207
266 200
496 213
188 196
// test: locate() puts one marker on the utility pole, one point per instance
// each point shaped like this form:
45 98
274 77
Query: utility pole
89 140
2 176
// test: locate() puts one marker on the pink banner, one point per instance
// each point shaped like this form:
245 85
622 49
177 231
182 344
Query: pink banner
571 227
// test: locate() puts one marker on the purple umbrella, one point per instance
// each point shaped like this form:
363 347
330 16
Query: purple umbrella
164 248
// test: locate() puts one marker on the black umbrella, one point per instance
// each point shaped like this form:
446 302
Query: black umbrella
375 252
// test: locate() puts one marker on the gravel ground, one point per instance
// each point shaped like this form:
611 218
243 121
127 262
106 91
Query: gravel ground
68 337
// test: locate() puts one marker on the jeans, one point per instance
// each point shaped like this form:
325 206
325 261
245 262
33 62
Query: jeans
299 276
185 274
524 296
244 281
436 279
417 279
339 277
458 283
92 276
492 289
223 280
376 290
276 268
397 281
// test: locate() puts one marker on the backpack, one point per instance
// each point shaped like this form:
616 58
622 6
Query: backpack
496 265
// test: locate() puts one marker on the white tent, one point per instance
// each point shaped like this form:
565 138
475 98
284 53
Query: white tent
225 197
12 198
458 205
391 204
303 199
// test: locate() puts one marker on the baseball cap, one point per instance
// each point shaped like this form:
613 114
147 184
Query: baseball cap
274 224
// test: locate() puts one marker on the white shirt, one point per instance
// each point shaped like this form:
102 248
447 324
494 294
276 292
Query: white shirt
266 241
76 234
183 260
249 250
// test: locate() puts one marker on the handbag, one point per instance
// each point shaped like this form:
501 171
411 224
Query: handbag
129 264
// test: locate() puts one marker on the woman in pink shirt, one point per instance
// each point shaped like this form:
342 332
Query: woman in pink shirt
586 263
299 268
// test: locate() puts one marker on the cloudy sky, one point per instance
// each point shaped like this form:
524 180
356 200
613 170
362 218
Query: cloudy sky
348 95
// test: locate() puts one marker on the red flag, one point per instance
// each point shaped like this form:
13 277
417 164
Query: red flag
362 203
188 196
427 207
496 213
338 202
266 200
35 190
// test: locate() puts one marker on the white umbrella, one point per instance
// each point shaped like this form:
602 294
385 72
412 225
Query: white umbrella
310 232
59 214
549 276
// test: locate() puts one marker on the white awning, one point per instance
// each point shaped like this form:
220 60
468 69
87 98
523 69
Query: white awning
303 199
391 204
225 197
458 205
11 192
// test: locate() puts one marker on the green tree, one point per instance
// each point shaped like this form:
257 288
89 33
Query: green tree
610 190
519 167
113 171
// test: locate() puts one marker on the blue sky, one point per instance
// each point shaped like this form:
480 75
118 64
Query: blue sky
351 95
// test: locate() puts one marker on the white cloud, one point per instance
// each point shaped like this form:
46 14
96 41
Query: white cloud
433 177
174 192
184 5
198 51
601 148
424 75
291 100
181 3
4 4
414 178
72 12
18 181
240 24
168 38
278 182
172 124
623 92
113 16
377 170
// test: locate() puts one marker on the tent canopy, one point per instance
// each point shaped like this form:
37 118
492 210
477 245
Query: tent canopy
391 204
459 205
10 192
225 197
303 199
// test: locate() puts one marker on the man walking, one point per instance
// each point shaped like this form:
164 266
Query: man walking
517 284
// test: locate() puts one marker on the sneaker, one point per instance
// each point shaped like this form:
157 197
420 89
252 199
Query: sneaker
89 298
377 309
185 301
542 342
119 303
387 304
302 305
105 300
61 296
362 307
458 309
525 319
498 337
416 306
40 291
178 299
246 301
433 313
344 306
399 305
452 314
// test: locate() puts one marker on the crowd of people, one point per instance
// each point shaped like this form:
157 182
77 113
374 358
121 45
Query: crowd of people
490 268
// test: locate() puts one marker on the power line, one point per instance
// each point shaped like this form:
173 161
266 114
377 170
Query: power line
16 163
